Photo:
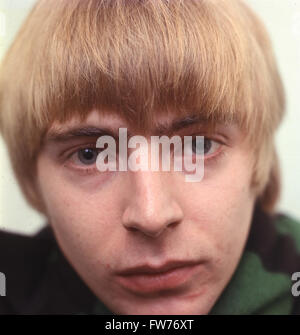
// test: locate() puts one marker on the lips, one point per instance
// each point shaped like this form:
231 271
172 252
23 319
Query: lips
147 279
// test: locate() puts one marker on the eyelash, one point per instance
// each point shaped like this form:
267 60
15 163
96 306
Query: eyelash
85 170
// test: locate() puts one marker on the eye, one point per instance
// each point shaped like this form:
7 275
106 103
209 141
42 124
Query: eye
87 156
209 146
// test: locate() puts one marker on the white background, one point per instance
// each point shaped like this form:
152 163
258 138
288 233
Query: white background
282 19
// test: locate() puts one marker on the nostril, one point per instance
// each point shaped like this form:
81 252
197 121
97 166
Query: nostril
173 224
147 230
132 229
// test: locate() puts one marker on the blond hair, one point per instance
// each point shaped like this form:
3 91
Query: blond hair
138 58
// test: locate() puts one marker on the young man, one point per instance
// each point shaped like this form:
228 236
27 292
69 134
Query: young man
144 241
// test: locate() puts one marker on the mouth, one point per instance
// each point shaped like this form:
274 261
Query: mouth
147 279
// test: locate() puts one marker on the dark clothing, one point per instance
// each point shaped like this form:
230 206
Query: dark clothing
39 279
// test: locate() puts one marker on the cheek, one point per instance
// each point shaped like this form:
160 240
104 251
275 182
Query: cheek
223 209
87 231
74 200
72 212
78 217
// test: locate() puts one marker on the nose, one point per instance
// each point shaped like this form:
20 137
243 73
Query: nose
151 208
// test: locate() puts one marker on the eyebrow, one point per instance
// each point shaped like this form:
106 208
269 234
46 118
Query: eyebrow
181 124
62 135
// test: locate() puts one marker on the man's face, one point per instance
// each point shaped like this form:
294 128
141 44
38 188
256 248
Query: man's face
148 242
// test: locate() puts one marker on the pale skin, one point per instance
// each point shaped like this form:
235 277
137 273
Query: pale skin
112 221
